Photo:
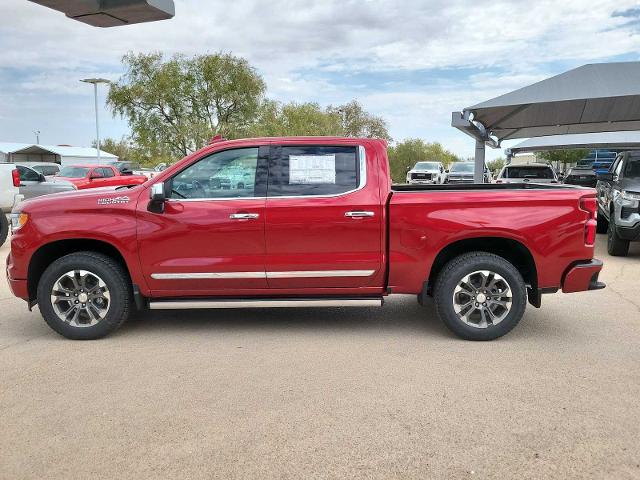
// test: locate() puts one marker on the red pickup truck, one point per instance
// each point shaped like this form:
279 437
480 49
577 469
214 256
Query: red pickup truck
289 222
94 176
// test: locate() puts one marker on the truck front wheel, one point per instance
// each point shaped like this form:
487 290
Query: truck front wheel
480 296
616 246
4 228
84 295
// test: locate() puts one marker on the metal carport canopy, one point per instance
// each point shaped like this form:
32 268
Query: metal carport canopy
601 97
112 13
614 140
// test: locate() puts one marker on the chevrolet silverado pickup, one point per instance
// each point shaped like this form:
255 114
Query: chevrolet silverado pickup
316 223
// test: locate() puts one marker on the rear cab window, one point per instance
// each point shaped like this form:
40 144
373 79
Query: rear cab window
528 172
307 170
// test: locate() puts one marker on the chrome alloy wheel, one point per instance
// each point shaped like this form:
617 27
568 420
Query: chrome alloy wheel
80 298
482 299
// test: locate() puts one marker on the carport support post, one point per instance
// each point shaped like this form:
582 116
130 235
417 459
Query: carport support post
478 172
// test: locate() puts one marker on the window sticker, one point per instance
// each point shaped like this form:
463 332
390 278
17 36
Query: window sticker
312 169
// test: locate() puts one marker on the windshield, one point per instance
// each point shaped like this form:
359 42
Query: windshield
73 172
528 172
462 167
632 169
585 163
426 166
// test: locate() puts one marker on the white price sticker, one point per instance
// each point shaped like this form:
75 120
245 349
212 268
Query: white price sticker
312 169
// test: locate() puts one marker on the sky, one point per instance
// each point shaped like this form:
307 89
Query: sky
412 62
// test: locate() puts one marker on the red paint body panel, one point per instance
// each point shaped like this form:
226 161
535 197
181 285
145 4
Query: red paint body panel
578 278
548 223
398 244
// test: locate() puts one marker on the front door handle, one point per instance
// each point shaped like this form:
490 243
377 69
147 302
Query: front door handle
359 214
244 216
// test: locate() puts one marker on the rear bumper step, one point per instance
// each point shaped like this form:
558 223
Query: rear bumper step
264 303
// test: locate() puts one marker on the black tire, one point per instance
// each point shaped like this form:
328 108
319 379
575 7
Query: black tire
603 223
463 265
4 228
116 280
616 246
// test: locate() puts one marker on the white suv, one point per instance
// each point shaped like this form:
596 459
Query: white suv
426 172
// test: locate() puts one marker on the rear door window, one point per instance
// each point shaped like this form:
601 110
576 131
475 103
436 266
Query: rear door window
313 170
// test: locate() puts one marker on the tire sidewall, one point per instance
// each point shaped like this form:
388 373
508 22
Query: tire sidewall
448 282
4 228
113 278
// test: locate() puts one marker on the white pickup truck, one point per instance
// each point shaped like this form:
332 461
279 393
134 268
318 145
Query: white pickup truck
9 196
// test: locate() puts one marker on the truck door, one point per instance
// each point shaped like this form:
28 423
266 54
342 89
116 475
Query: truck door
323 218
208 240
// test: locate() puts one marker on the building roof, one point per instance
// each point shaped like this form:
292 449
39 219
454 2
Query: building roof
63 151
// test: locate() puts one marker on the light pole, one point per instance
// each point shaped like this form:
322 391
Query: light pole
37 134
95 82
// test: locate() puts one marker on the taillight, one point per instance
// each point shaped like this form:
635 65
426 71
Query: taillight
15 174
498 181
589 205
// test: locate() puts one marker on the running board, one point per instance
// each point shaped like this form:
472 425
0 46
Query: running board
265 303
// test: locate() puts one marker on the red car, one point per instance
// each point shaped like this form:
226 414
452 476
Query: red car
93 176
290 222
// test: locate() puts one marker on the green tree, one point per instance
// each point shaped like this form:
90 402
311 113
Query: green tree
175 106
282 119
496 165
564 157
405 154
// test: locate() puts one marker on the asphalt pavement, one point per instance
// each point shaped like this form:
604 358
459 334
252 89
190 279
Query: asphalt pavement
329 393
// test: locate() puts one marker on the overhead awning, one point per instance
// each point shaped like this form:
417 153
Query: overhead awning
601 97
609 140
112 13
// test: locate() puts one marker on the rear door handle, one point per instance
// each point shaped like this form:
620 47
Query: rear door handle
359 214
244 216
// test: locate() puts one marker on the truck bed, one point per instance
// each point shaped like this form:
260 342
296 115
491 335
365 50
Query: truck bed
480 186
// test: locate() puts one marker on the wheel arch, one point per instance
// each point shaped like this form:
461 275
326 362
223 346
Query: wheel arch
50 252
511 250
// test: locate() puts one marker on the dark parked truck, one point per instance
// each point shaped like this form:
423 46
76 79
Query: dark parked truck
316 223
619 203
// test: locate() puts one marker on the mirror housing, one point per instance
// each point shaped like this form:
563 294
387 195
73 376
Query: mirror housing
605 177
158 197
41 178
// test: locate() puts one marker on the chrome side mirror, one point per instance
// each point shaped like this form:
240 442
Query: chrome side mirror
157 194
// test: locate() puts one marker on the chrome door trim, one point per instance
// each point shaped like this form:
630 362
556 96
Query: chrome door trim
320 273
207 275
264 303
272 275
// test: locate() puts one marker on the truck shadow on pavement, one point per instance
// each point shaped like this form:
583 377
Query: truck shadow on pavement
400 314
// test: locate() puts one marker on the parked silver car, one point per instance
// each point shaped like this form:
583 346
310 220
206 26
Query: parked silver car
532 172
48 169
34 184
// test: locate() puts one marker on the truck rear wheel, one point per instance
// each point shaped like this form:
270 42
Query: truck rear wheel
480 296
602 224
84 295
4 228
616 246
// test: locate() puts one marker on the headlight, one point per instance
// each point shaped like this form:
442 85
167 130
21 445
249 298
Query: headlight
631 196
18 220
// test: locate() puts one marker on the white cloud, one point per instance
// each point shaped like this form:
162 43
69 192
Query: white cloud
304 49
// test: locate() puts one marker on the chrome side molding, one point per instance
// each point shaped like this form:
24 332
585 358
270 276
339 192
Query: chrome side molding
264 303
274 275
